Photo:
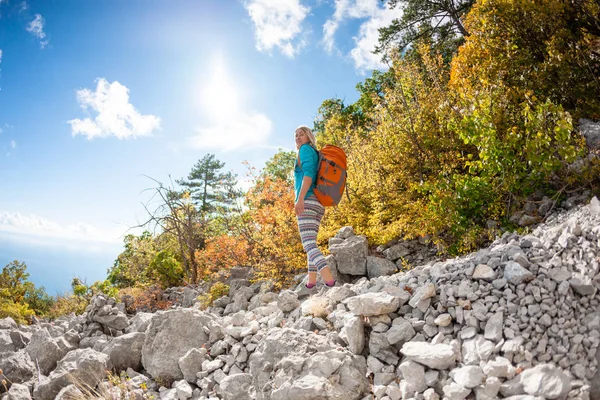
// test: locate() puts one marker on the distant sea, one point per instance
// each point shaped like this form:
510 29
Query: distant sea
53 263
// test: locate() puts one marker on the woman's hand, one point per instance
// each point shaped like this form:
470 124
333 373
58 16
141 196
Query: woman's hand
299 208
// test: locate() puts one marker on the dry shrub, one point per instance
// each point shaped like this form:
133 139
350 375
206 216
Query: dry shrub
218 290
67 304
144 299
113 387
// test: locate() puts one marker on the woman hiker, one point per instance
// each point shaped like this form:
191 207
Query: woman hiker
309 210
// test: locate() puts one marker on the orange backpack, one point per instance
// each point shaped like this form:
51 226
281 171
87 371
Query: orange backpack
331 175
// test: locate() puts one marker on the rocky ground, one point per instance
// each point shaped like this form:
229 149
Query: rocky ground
517 320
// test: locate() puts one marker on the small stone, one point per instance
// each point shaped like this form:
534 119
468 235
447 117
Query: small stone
484 272
547 381
494 326
468 332
468 377
438 356
522 260
499 283
443 320
516 274
545 321
582 285
453 391
594 206
527 220
430 394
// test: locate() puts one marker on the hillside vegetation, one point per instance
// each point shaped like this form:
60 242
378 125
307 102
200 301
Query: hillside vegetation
471 120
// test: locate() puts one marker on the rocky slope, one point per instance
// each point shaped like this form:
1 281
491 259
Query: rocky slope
518 320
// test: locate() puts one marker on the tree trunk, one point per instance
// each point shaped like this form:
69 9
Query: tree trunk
456 18
194 269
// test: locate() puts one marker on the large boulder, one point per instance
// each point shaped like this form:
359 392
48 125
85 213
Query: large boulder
591 131
236 387
296 364
546 380
44 350
190 296
19 392
6 343
83 367
139 322
8 323
70 392
126 351
370 304
191 363
105 311
113 320
397 251
377 266
351 255
18 367
169 337
436 356
287 300
353 333
20 338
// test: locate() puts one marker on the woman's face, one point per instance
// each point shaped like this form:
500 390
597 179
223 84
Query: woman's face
301 138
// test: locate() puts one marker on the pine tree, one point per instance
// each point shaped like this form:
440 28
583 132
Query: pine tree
210 187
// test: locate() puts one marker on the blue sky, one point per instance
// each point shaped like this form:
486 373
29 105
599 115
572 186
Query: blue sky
95 95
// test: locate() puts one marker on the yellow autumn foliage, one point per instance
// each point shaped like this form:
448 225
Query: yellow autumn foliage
445 148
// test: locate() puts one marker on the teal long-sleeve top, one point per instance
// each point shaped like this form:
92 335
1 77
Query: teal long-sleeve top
308 167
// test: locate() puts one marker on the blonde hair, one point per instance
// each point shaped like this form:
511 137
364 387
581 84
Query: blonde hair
312 140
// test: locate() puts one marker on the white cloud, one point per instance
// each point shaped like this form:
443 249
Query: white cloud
347 9
245 130
5 127
34 225
0 55
368 38
36 28
278 24
116 116
13 144
376 15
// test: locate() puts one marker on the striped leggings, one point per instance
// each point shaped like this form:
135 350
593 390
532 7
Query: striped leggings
308 225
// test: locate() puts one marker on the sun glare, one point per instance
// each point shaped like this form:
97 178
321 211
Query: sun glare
219 93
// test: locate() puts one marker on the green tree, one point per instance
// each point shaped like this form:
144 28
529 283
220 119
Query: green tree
130 266
210 187
372 92
176 219
167 269
548 49
38 300
335 121
79 287
14 282
280 165
19 298
437 21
